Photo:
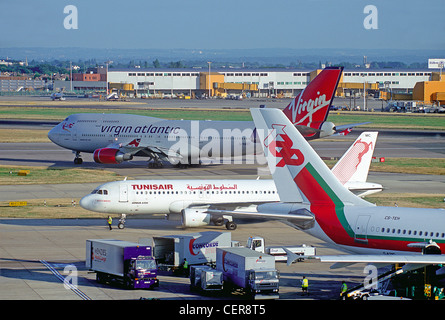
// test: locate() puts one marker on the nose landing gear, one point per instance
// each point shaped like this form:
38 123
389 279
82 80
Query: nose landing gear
121 223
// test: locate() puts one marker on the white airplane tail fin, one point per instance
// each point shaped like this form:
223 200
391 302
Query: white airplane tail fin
354 164
296 167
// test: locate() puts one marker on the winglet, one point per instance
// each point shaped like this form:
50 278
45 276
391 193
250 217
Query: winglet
291 257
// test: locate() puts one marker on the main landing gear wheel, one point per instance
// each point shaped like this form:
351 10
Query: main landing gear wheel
218 222
78 159
230 225
155 165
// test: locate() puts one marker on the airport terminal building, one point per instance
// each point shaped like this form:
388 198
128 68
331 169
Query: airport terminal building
257 82
424 85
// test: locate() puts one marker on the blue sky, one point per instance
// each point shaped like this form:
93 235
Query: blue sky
228 24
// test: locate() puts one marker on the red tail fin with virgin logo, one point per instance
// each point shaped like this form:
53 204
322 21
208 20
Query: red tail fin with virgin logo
310 108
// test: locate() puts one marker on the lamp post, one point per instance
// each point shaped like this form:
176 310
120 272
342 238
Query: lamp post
209 79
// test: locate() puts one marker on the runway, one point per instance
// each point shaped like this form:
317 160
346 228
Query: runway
389 144
51 155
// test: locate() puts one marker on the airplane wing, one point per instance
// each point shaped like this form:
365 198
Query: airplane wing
411 261
301 218
164 153
301 214
136 148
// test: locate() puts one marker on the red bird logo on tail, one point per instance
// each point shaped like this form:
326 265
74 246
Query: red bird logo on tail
280 146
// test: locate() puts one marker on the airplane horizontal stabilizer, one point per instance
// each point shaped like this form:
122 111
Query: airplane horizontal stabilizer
349 126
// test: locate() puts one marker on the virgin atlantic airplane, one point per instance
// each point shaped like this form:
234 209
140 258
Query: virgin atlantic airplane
115 138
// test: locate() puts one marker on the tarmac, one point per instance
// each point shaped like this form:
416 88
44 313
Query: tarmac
37 254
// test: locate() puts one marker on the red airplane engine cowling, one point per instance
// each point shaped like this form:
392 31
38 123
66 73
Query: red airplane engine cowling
110 156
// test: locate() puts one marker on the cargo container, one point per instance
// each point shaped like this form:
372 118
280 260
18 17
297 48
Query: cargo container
197 248
205 278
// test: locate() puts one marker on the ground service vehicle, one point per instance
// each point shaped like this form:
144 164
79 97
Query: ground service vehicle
258 244
130 263
197 248
249 270
205 278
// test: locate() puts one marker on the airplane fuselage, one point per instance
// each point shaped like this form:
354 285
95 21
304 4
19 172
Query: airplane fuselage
171 196
189 138
381 230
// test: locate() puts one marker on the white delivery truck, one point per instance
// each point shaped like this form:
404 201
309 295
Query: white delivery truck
258 244
197 248
249 270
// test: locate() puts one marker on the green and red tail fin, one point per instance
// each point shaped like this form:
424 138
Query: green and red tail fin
295 166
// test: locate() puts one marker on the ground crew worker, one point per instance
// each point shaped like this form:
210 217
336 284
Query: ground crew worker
305 285
110 221
344 288
185 267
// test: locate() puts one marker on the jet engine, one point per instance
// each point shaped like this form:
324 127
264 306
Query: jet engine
327 129
193 217
110 156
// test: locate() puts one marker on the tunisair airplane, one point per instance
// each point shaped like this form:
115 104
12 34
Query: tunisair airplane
114 138
330 212
192 198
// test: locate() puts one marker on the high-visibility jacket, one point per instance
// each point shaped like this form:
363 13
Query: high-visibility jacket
110 220
305 283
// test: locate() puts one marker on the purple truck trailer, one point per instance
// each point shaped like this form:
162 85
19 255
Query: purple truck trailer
129 263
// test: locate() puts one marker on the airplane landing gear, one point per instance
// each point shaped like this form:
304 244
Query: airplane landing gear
121 223
230 225
155 164
78 159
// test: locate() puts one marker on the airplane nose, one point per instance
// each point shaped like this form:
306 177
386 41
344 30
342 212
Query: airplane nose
52 135
85 202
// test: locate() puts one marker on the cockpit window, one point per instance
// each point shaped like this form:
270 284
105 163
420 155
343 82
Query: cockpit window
100 191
